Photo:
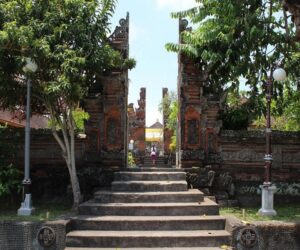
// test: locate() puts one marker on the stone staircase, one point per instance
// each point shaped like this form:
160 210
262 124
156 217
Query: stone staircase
148 208
160 161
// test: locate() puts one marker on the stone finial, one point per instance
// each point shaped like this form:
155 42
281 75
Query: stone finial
121 32
183 25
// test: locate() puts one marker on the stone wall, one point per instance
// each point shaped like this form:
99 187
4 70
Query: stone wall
48 170
245 236
263 235
239 170
44 150
24 235
242 154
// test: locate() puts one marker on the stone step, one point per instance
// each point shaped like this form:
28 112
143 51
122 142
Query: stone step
150 168
192 195
146 248
146 223
149 176
149 186
117 239
157 162
206 207
152 248
156 165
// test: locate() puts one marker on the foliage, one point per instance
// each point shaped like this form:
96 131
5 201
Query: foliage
79 115
292 111
173 144
169 105
240 39
131 161
69 42
239 111
290 118
10 177
236 118
10 180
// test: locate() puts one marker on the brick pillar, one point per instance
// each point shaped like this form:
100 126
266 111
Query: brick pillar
198 113
107 127
137 124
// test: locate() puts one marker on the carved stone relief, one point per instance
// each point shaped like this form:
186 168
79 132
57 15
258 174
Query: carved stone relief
246 154
192 128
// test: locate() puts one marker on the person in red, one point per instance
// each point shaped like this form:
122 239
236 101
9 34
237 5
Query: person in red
153 154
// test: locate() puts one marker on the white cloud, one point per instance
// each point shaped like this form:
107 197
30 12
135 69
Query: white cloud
175 5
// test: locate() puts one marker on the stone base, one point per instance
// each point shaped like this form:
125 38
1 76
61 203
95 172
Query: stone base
26 208
267 200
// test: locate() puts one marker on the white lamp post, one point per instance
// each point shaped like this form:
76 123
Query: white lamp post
268 190
26 208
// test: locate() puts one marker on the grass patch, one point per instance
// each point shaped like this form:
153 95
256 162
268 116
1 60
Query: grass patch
286 213
42 212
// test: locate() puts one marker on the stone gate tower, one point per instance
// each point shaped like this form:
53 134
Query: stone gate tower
106 104
198 124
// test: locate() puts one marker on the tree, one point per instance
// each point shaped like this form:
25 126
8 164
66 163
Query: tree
240 39
68 39
169 106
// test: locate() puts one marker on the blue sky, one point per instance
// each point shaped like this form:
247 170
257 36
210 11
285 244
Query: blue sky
150 28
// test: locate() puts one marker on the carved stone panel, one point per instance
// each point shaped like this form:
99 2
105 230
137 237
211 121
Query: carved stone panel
211 143
245 154
46 236
192 128
93 140
113 129
192 132
192 155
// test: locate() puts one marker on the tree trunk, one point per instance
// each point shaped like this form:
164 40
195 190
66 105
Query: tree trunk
77 198
67 144
75 183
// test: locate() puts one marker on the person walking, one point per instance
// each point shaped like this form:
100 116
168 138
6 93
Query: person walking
153 154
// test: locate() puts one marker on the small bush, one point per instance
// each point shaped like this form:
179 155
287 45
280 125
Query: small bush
10 180
131 160
10 176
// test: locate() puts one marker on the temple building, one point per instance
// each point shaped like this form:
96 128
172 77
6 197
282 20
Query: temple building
154 136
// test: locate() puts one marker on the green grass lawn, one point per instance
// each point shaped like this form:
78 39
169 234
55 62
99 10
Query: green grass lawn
42 212
53 211
286 213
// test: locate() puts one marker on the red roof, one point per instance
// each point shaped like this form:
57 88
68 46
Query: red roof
18 119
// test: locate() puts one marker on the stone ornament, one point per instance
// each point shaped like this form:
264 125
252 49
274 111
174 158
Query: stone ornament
121 31
248 237
46 236
293 6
